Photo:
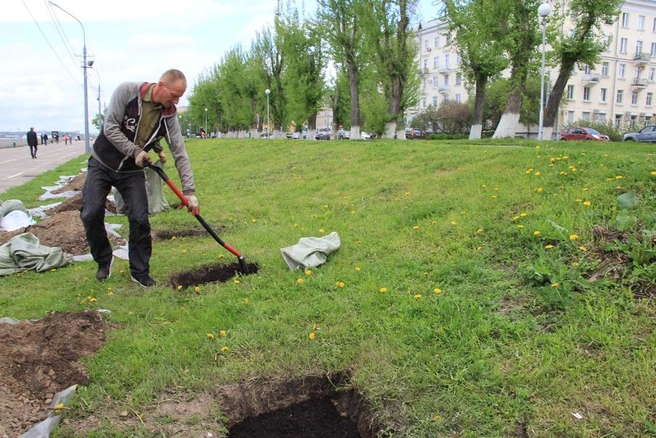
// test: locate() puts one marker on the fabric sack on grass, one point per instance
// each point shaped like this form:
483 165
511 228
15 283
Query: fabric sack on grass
310 252
24 252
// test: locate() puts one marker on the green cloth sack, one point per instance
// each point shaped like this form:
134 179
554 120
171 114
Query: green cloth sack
24 253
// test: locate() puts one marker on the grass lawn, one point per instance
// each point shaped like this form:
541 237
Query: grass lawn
482 289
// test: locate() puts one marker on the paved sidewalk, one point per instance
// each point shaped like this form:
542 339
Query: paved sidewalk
18 167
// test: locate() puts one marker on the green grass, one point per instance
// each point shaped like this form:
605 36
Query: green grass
465 301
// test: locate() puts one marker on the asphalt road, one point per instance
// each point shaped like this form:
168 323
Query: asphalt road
18 167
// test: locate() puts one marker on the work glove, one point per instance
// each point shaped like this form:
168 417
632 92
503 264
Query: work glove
142 158
192 204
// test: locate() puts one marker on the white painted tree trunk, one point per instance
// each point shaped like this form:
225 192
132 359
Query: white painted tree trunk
476 132
507 126
547 132
356 133
311 134
390 130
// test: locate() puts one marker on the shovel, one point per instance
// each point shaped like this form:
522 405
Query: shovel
240 258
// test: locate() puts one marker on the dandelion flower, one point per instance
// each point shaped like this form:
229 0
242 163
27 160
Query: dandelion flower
253 220
225 349
587 203
539 190
173 237
223 333
549 246
92 299
653 172
538 173
184 251
536 233
583 248
383 290
523 214
555 284
237 281
210 335
479 231
416 227
196 289
299 280
311 336
407 193
179 287
417 296
308 272
357 268
246 301
437 290
321 230
618 177
454 223
340 284
520 226
573 237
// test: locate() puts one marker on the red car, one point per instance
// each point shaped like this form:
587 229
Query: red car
580 134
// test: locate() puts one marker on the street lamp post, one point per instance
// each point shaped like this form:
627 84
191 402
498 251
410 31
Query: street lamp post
267 92
543 11
85 65
100 116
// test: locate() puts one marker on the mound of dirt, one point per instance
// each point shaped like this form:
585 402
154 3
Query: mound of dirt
41 358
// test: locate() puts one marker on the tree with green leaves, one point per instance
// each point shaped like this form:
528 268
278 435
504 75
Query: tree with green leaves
582 45
387 30
270 57
475 34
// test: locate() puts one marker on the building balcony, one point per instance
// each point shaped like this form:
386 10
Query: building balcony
641 59
443 90
591 79
638 84
423 71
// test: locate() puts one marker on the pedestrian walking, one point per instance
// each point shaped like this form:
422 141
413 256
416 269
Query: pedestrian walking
32 142
139 116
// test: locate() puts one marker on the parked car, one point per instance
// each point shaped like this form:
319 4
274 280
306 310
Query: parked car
580 134
343 135
323 134
648 133
413 133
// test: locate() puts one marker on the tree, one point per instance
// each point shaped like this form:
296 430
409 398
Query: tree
270 57
387 30
475 33
580 46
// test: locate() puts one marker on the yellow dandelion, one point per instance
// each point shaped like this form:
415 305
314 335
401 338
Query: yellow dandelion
225 349
587 203
573 237
416 227
237 281
179 287
479 248
325 206
315 327
312 335
383 290
196 289
479 231
555 284
653 172
308 272
173 237
184 251
515 218
92 299
529 171
246 301
520 226
340 284
210 335
539 190
536 233
549 246
407 193
357 268
494 196
59 407
583 248
321 230
437 290
253 220
220 256
484 186
417 296
223 333
618 177
299 280
434 222
454 223
538 173
523 214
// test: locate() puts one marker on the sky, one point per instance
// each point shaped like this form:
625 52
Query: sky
41 50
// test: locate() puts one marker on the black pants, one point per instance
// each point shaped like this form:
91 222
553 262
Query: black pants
33 150
132 187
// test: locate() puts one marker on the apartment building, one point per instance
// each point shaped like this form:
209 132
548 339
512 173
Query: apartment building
620 88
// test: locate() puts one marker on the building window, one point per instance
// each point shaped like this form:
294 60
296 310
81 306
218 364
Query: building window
625 19
585 116
641 22
570 92
448 39
436 62
458 59
446 61
446 80
604 68
570 117
653 50
623 43
435 82
434 101
620 96
618 121
607 42
423 102
650 98
622 71
634 98
653 26
425 64
651 73
603 97
601 118
638 47
458 78
586 69
586 94
458 98
425 44
437 42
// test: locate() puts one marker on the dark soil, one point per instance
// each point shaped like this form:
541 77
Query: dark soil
210 274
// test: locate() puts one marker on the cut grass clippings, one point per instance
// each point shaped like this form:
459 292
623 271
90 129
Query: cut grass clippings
460 301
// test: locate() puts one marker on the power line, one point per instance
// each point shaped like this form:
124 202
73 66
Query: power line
48 41
60 31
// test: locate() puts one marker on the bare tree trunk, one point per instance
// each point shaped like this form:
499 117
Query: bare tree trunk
355 97
476 130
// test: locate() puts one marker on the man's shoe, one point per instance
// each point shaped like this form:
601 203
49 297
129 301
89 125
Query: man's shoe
144 281
105 272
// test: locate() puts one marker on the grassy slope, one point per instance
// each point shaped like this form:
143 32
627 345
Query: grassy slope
445 298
